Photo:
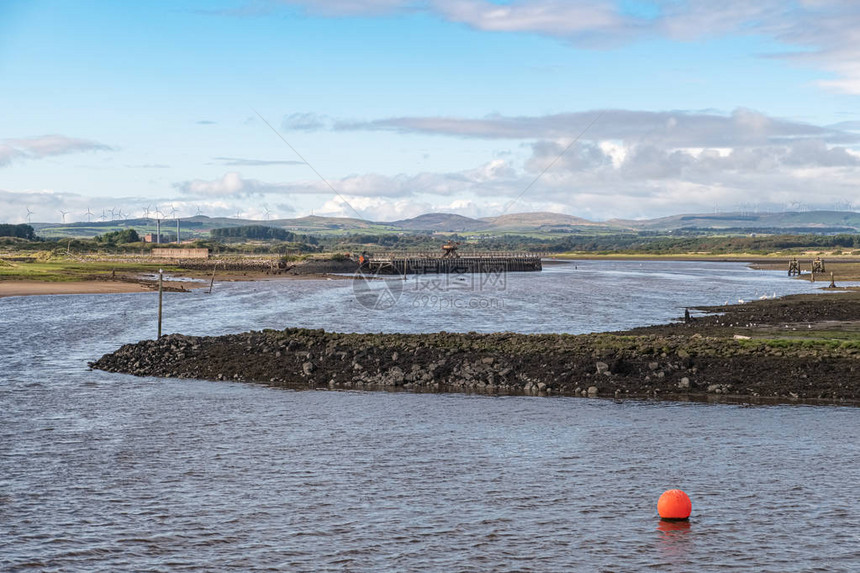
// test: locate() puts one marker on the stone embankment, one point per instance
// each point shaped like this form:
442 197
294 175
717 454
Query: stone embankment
712 356
271 266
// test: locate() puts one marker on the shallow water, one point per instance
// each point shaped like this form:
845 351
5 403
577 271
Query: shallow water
106 472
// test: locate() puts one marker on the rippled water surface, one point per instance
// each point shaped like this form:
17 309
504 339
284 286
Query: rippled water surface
105 472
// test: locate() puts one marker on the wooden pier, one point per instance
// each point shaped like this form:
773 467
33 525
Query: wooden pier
466 263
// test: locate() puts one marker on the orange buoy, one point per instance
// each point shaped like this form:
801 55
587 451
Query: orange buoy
674 504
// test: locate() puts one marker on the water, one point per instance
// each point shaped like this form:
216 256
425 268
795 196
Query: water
105 472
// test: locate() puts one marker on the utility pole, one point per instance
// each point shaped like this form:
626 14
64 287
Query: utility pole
160 296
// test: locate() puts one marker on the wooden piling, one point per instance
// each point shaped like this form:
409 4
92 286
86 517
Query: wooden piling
160 296
212 282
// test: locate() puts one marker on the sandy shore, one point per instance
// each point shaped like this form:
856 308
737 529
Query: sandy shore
30 288
33 288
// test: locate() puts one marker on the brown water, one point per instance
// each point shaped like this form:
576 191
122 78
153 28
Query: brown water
104 472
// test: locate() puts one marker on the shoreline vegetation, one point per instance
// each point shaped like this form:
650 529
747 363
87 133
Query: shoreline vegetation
800 349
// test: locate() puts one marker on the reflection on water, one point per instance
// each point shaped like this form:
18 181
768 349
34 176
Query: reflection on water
671 526
104 472
674 543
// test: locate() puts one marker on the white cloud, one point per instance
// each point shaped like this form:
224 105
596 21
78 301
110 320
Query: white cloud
677 128
305 121
592 22
390 209
231 184
8 154
242 162
45 146
821 33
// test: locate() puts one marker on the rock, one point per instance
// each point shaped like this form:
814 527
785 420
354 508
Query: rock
593 391
541 386
307 368
602 367
488 360
712 388
740 337
684 383
394 357
653 365
394 377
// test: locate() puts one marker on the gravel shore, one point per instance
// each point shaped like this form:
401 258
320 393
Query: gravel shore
800 348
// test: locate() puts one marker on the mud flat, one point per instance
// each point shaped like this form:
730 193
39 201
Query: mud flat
800 348
33 288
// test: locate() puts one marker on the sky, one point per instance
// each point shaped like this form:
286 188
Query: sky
387 109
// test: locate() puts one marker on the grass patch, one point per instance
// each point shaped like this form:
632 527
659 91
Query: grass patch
60 270
806 343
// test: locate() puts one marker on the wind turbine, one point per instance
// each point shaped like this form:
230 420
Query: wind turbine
173 213
63 213
266 209
89 215
199 211
104 215
158 225
29 212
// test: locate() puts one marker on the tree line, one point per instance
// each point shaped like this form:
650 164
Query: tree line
259 233
20 231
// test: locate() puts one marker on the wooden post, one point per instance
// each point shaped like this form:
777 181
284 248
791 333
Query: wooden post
832 281
212 282
160 296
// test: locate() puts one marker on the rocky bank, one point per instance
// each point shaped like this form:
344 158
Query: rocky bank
798 348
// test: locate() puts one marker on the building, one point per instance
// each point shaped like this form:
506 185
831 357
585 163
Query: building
173 253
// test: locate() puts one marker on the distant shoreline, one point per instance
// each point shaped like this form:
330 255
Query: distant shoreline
844 268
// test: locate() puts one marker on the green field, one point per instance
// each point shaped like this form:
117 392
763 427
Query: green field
63 270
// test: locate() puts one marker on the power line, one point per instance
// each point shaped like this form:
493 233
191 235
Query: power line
553 162
324 180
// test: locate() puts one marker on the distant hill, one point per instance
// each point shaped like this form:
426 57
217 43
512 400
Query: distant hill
540 223
445 222
313 223
802 221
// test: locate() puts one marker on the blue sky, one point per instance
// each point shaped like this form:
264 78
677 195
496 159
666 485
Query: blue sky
412 106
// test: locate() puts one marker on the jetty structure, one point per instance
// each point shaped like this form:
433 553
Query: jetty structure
450 261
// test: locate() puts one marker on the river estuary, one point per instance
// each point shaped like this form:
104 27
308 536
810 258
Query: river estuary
107 472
